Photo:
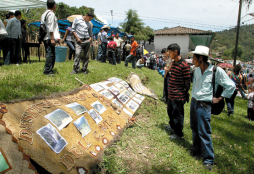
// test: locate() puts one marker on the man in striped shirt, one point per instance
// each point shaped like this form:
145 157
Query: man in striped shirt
178 87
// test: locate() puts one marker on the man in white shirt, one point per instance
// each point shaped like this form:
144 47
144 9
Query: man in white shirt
49 19
82 31
13 29
3 39
104 43
118 41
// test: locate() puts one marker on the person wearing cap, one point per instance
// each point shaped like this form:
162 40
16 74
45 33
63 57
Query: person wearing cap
51 36
127 49
132 56
82 30
178 91
99 46
111 50
118 41
104 43
202 98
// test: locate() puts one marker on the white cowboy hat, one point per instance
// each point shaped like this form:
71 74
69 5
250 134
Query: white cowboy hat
72 17
200 50
105 26
152 52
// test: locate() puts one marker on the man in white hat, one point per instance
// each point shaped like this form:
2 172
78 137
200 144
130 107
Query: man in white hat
202 98
82 30
104 43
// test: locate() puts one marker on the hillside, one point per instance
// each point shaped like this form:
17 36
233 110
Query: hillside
224 41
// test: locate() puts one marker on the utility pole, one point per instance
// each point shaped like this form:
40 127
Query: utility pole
112 15
237 32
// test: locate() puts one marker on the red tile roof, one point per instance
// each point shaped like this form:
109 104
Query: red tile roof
180 31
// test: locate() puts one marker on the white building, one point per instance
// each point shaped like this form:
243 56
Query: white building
186 38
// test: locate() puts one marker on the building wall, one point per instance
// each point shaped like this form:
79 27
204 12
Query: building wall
164 41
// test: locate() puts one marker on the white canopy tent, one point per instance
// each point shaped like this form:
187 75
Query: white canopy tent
20 4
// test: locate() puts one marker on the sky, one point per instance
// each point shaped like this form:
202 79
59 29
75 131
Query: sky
214 15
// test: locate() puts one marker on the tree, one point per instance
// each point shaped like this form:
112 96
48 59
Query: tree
134 25
227 54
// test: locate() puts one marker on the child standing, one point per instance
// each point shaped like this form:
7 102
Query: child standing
250 97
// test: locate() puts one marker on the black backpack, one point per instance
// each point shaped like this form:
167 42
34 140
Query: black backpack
43 30
217 107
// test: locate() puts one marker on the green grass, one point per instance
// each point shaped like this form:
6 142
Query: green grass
145 149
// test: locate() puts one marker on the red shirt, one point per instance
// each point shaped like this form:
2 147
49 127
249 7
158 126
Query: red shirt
112 45
180 71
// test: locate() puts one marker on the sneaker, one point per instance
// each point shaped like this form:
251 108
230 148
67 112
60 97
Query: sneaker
167 127
174 136
208 166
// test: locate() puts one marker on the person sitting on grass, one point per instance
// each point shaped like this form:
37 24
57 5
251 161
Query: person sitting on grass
140 63
250 97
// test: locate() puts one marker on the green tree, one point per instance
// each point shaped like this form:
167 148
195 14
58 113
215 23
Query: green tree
227 54
134 25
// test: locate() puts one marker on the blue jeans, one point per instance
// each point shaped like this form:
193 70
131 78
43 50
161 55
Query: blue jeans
133 60
99 55
111 56
15 50
71 46
231 102
200 117
104 50
176 115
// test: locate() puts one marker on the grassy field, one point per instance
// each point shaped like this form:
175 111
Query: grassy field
145 149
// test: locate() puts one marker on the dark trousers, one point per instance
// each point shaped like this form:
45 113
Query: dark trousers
127 54
111 56
4 44
25 51
71 46
250 113
176 116
118 55
104 50
51 57
231 102
15 49
124 55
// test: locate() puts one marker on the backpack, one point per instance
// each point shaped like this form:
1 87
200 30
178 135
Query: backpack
43 30
217 107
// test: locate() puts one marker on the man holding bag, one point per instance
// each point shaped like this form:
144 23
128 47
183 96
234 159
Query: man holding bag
201 103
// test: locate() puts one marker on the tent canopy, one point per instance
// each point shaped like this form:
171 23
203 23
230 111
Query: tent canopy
202 39
97 25
20 4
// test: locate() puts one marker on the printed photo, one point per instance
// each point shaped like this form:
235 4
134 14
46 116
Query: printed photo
140 97
98 107
114 90
125 84
107 94
137 100
116 102
119 86
82 126
127 112
114 80
126 92
53 139
132 105
59 118
77 108
131 91
123 98
96 87
96 117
